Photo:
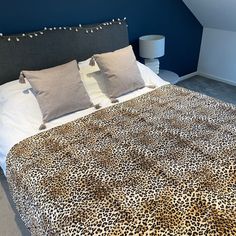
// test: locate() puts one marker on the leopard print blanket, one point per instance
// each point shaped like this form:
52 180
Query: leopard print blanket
160 164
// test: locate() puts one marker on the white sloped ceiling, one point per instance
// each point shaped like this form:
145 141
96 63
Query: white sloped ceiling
218 14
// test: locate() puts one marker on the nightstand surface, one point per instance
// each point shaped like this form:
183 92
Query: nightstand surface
169 76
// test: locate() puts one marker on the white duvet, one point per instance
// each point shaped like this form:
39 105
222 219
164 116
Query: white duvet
20 116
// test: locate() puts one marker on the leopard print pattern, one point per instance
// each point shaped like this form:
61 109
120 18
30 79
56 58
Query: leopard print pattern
160 164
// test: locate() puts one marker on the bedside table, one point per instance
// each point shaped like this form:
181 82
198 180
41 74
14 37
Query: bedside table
169 76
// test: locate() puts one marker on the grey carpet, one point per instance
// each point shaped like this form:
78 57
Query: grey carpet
212 88
10 222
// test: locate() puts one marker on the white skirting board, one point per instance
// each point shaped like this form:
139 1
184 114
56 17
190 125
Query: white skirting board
207 76
213 77
188 76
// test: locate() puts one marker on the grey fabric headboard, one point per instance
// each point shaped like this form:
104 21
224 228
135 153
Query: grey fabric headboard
55 46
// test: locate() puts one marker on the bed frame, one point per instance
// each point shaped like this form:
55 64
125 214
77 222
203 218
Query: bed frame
55 46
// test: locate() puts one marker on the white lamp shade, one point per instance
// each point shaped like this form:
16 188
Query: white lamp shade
152 46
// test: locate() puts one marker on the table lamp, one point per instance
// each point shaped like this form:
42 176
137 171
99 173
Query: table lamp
151 47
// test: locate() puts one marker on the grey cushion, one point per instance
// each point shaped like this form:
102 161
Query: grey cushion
59 90
120 71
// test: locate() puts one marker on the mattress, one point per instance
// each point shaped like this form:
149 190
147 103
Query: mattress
20 115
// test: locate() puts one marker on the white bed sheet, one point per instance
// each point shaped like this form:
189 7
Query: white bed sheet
20 115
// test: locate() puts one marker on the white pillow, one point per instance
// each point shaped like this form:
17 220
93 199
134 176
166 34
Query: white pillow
11 88
93 81
86 63
150 78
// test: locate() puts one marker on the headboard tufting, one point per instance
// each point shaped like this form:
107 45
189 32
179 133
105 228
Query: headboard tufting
56 46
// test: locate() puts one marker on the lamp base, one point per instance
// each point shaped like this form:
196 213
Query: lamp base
153 64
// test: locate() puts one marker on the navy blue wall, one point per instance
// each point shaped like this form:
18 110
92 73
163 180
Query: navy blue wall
168 17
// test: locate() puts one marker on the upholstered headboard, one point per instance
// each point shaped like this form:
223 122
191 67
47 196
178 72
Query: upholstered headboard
55 46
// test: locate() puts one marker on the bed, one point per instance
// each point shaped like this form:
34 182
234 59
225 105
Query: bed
160 161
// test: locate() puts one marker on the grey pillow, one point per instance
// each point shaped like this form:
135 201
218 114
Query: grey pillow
58 90
120 71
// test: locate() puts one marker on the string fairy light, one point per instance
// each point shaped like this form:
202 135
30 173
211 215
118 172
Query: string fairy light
87 30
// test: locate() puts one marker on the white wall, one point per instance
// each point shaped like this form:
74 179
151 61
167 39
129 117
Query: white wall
217 14
218 55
